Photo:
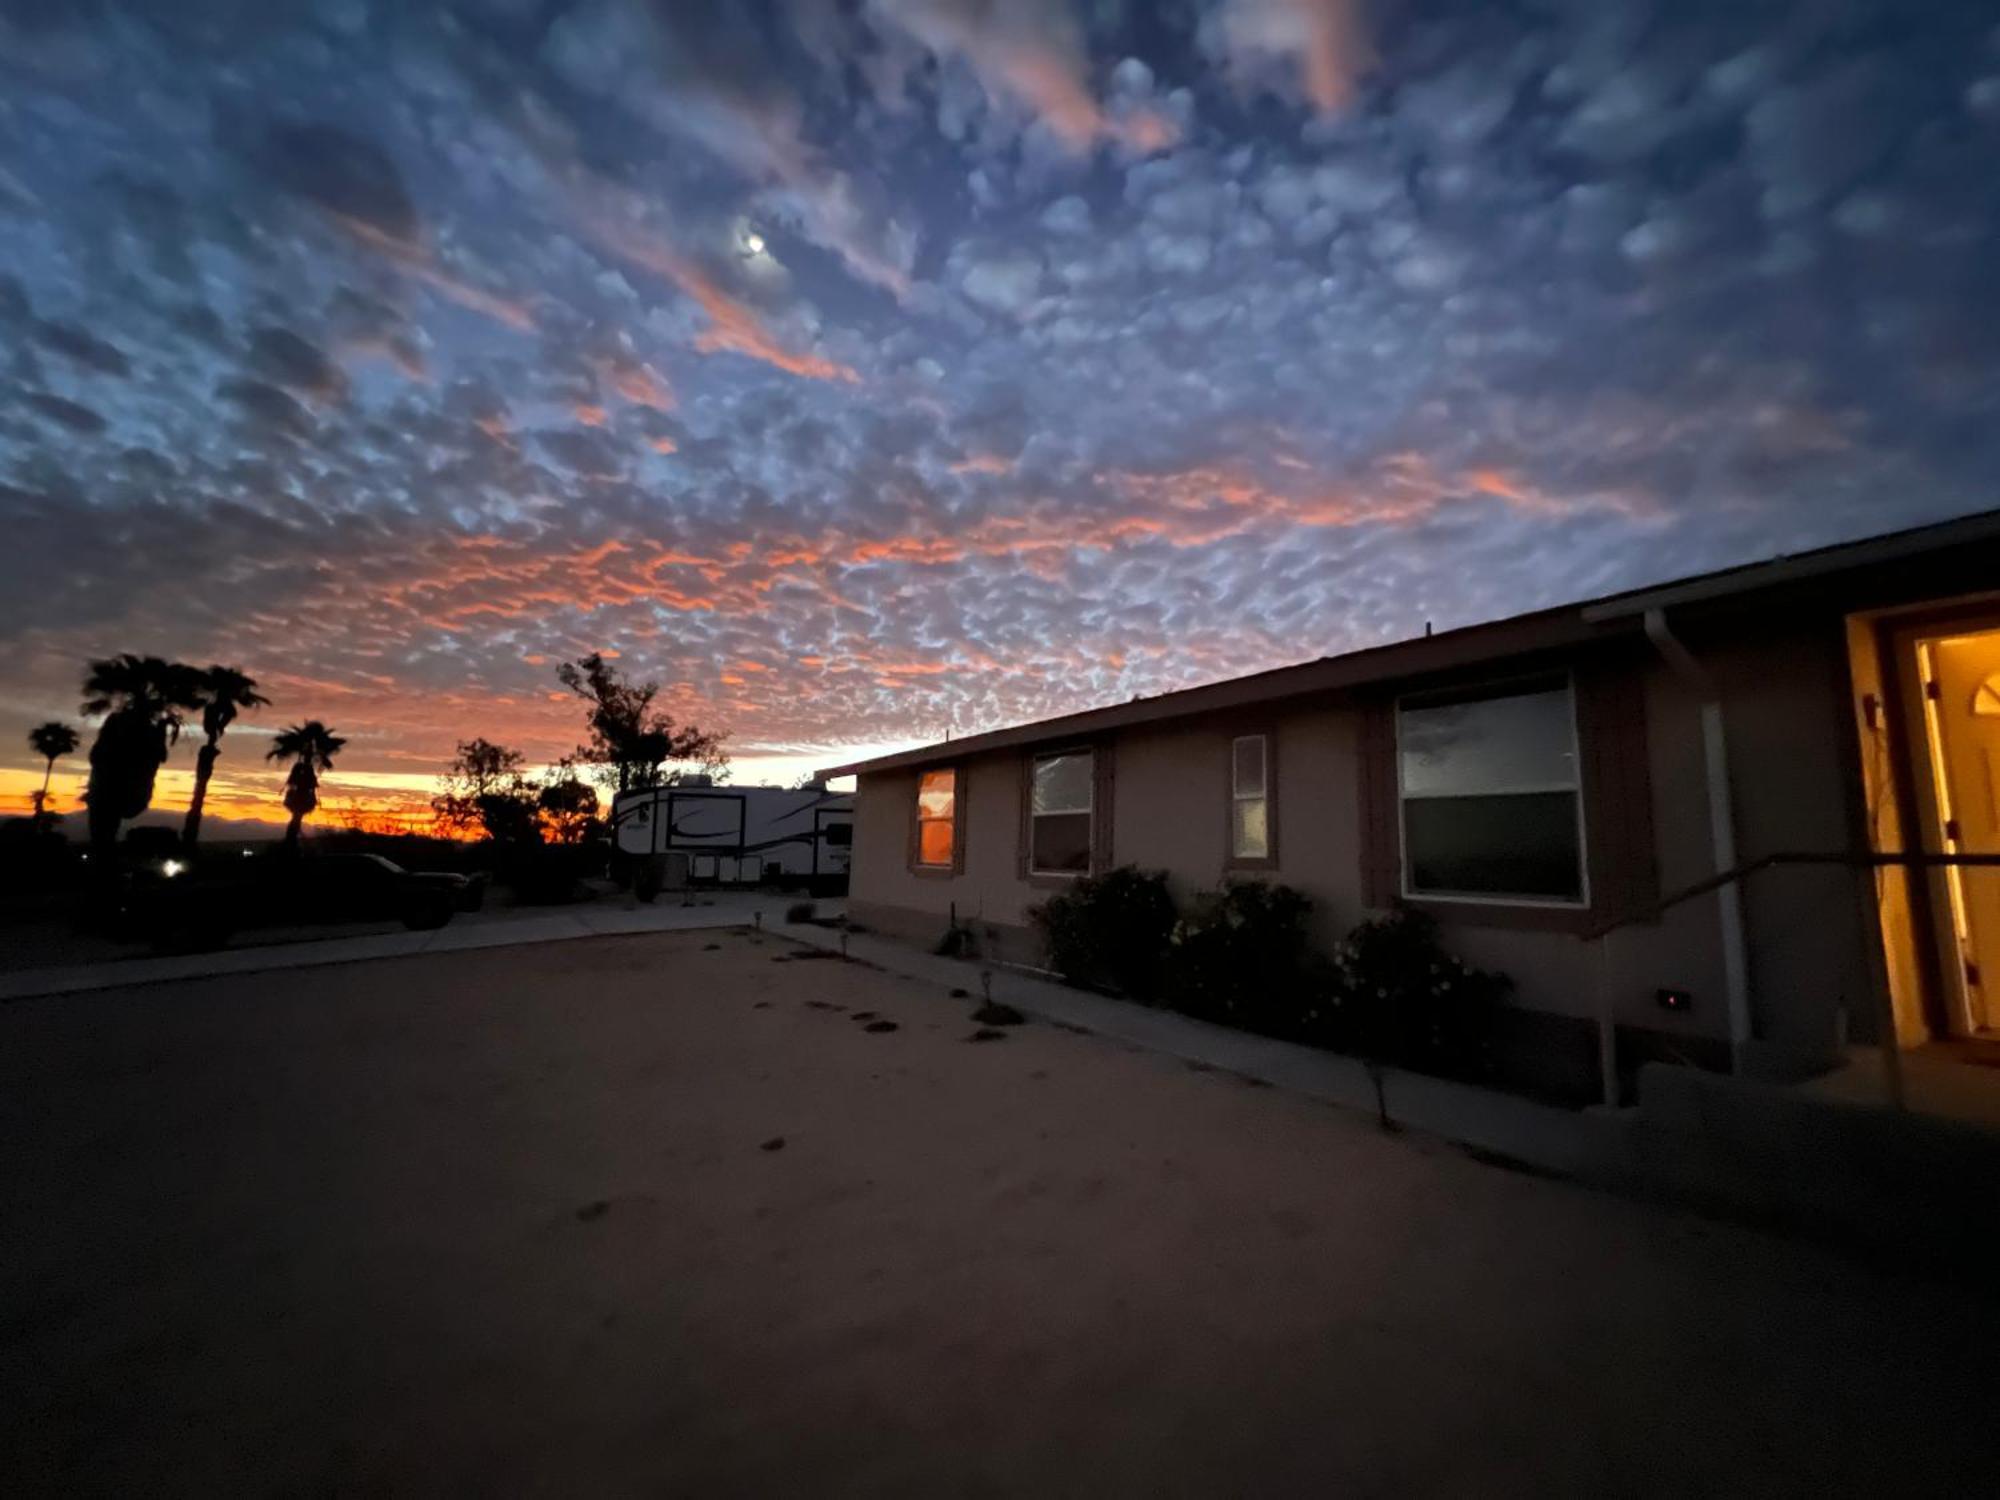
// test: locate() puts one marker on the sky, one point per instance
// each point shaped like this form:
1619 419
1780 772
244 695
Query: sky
867 371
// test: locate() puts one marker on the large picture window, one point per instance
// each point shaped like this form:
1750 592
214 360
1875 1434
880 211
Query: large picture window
937 819
1250 797
1492 805
1060 813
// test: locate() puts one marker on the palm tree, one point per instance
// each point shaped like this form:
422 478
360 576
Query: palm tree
143 698
310 747
225 692
51 741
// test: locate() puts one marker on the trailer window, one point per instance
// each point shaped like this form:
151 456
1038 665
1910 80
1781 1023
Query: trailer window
937 818
839 835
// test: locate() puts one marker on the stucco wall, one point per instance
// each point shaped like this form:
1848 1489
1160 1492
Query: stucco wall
1784 701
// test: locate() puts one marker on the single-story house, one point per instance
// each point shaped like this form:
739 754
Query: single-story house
1561 790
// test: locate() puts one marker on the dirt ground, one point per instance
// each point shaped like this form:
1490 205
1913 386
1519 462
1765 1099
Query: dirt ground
662 1215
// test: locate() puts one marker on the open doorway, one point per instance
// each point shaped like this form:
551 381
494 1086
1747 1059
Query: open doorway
1958 677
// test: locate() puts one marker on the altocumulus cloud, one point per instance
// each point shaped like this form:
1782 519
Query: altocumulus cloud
866 371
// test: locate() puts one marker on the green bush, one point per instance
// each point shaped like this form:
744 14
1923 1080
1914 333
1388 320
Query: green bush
1109 931
1401 998
547 874
1242 957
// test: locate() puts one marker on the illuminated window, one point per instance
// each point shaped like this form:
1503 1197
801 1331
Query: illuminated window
1986 701
937 819
1491 799
1060 811
1249 798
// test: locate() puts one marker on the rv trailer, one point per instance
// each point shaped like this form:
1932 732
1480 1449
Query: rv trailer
701 835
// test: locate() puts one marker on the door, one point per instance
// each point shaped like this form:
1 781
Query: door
1961 676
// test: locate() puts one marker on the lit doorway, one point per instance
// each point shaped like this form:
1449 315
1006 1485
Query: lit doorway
1958 679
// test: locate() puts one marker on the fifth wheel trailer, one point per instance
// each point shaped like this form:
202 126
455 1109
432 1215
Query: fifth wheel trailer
735 836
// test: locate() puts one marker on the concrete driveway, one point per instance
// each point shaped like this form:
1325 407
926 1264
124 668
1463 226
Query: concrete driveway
663 1215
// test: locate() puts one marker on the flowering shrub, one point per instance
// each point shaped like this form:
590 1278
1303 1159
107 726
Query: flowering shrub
1241 957
1402 998
1109 931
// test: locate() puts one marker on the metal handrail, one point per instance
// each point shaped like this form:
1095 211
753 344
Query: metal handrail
1660 904
1892 1066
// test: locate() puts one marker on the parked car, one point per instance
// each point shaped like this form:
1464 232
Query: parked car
190 908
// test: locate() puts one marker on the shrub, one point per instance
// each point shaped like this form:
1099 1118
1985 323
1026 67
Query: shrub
546 874
1241 957
1110 931
1402 998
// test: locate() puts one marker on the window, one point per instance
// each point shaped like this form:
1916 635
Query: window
1491 799
937 819
1249 798
1060 813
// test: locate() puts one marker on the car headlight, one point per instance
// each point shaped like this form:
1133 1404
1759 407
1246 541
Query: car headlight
171 868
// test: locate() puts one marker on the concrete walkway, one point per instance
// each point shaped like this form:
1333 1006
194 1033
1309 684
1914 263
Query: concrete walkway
485 930
1592 1145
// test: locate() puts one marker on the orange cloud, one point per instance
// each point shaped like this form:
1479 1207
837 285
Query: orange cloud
1328 39
981 463
733 327
639 384
417 262
1033 53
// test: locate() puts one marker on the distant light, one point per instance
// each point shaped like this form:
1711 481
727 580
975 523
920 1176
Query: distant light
172 868
246 853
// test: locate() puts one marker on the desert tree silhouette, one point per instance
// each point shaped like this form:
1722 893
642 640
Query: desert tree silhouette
631 739
485 789
225 692
568 804
144 700
310 747
52 741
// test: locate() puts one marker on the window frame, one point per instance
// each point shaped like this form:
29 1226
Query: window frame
915 861
1100 749
1510 687
1268 860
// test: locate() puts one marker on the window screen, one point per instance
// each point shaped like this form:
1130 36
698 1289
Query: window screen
1249 798
1060 812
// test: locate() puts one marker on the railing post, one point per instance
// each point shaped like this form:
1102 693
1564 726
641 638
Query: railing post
1887 1042
1729 895
1607 1025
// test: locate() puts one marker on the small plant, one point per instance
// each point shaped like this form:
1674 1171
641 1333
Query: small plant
1110 931
1402 998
